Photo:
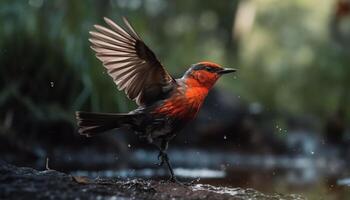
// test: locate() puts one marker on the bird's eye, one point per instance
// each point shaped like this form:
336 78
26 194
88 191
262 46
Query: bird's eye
209 69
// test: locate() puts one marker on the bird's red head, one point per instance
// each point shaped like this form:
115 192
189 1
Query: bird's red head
205 74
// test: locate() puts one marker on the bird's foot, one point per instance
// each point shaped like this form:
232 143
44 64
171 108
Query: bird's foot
173 179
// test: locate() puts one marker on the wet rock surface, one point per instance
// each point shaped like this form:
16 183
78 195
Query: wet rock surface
28 183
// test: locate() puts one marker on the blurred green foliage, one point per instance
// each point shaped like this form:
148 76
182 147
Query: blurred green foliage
49 39
289 60
292 60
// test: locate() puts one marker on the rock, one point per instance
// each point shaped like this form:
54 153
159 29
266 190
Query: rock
28 183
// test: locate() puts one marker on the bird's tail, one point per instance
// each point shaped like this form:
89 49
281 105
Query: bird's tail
92 124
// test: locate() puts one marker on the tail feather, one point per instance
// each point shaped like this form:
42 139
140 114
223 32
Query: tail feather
91 124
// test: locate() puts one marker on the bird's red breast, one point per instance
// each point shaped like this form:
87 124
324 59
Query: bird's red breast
185 101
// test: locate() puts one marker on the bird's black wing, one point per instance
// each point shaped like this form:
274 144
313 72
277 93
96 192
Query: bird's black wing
132 65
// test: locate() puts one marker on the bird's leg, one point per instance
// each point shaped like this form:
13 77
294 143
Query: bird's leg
160 158
160 155
163 156
172 175
163 146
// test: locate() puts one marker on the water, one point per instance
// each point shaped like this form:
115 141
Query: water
153 172
311 175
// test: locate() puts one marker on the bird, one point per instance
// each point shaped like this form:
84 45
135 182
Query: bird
165 104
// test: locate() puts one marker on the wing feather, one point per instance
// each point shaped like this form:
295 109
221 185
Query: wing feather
132 31
119 30
113 34
111 40
115 70
132 65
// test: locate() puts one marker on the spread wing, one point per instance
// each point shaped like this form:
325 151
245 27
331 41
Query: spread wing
132 65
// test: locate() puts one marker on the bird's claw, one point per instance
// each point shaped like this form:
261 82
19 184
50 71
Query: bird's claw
163 158
187 184
174 180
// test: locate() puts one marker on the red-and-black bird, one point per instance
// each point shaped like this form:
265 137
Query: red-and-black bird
166 104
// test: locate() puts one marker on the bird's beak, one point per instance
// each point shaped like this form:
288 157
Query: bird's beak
227 70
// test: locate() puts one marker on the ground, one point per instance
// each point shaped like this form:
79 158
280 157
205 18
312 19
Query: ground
28 183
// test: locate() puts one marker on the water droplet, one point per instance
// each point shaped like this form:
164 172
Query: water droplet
129 145
225 137
312 152
52 84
